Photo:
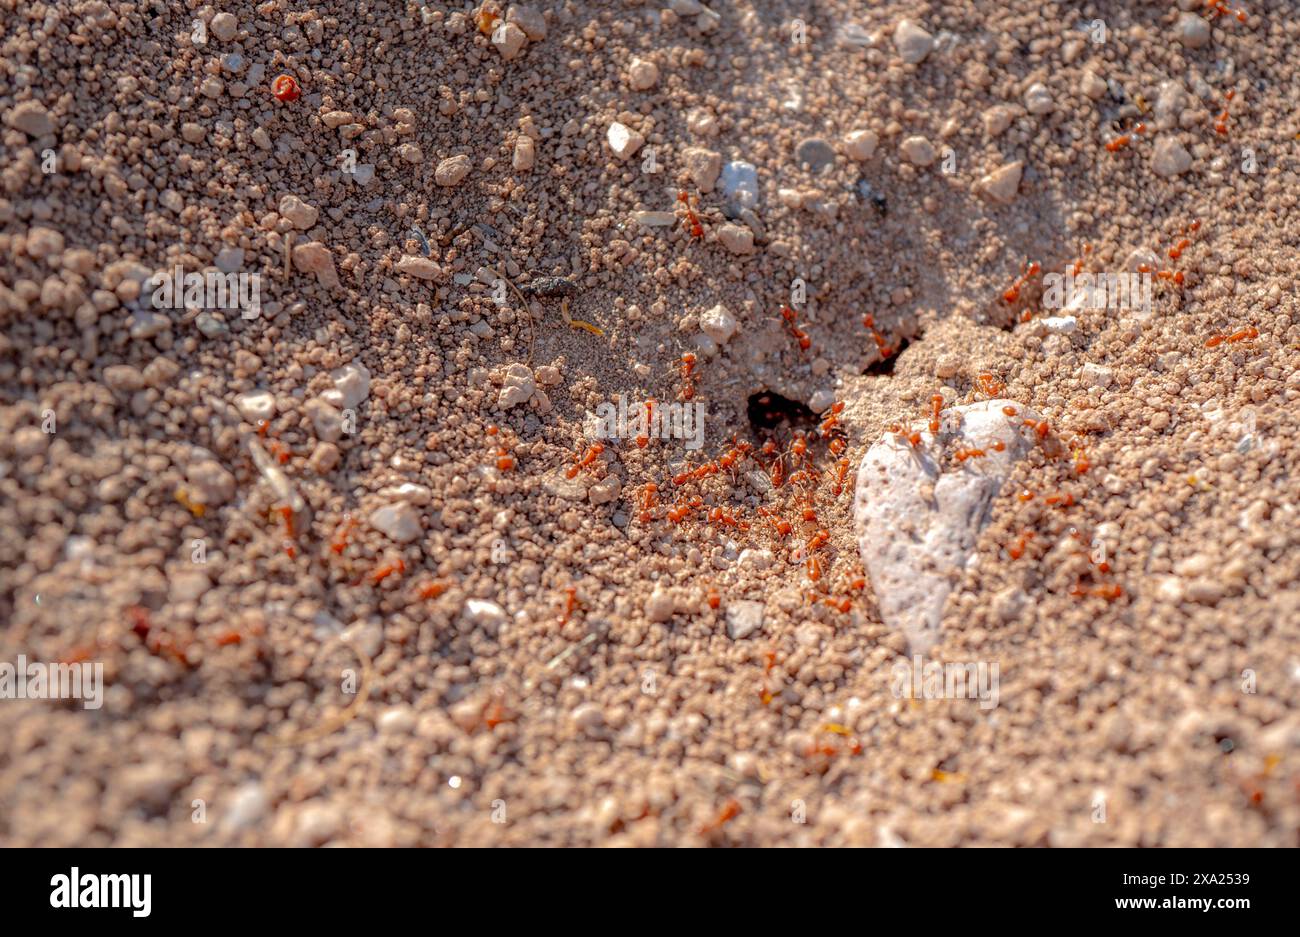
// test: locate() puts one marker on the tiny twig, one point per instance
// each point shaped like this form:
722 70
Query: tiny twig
568 651
336 722
288 255
532 334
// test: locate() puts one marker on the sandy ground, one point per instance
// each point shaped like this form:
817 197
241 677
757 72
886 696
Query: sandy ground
410 625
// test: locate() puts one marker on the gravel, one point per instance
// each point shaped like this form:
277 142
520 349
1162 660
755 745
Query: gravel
563 645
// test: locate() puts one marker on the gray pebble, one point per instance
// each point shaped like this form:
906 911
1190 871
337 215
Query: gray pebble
815 154
739 184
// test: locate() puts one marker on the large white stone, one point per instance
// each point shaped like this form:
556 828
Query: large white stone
917 524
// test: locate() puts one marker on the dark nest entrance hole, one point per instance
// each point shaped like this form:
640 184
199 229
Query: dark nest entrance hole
767 410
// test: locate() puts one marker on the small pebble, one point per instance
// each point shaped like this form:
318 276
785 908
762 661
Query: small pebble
815 154
1096 375
247 806
642 75
224 26
399 522
509 41
660 605
351 386
605 490
451 171
918 151
744 618
1093 86
912 42
481 613
524 154
821 400
718 324
1038 100
1057 325
1193 31
1169 157
422 268
861 144
703 166
256 406
739 184
1002 183
315 258
736 238
31 118
530 19
623 140
301 215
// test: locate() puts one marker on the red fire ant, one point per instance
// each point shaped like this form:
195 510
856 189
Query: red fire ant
1249 333
1124 139
688 384
882 347
936 404
1221 8
593 452
1013 291
691 203
791 317
649 501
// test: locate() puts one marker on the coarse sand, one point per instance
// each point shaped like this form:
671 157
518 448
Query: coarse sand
337 519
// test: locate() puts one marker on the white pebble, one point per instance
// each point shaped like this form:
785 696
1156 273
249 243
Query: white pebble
744 618
399 522
1038 100
623 140
719 324
605 490
1093 86
660 605
1002 183
256 405
351 386
918 523
525 153
422 268
1095 375
509 40
912 42
861 144
399 720
224 26
247 806
642 74
702 166
1058 325
917 150
484 614
821 400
